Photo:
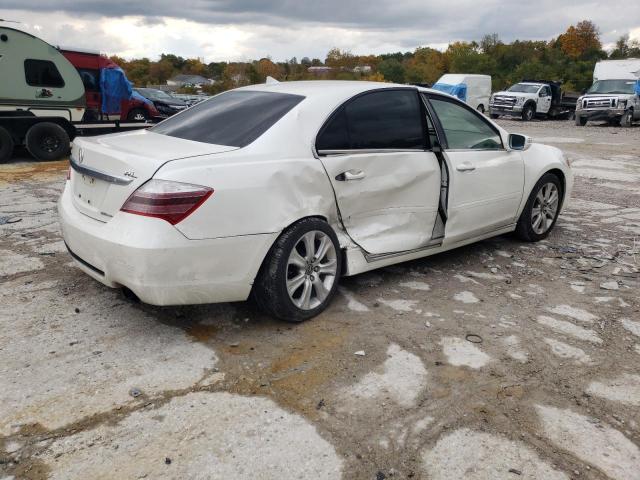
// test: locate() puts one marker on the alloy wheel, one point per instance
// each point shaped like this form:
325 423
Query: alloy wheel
545 208
311 270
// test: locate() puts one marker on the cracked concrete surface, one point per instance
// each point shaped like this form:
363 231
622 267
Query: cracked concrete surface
94 386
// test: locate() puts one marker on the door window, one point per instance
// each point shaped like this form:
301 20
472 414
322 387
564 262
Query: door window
42 73
465 129
387 119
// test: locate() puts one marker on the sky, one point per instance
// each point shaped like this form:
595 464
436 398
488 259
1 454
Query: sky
228 30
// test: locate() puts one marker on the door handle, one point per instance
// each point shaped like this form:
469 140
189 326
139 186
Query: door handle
466 167
350 175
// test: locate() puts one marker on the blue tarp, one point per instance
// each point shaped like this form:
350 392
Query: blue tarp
115 88
459 90
638 87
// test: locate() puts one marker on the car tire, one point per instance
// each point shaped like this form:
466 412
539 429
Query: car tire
627 119
47 141
138 115
580 121
494 116
541 211
6 145
481 108
528 113
290 285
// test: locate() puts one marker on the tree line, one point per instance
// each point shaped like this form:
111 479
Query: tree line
569 58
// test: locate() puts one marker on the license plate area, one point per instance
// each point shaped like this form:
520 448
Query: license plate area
89 192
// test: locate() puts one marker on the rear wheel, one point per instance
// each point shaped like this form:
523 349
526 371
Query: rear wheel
47 141
581 121
528 112
6 145
541 211
138 115
299 277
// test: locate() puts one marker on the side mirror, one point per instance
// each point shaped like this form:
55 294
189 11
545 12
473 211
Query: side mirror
519 142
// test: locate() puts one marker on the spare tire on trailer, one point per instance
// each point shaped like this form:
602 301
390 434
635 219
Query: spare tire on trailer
6 145
47 141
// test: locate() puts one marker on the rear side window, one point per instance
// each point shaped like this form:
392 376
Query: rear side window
234 118
42 73
463 128
387 119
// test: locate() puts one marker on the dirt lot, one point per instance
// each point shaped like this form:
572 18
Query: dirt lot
501 360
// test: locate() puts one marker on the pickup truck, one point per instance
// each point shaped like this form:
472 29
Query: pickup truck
532 98
614 95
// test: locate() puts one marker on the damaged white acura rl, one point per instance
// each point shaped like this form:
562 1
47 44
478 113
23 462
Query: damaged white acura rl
275 191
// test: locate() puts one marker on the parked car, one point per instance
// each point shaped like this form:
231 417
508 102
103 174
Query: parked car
166 104
90 66
614 95
276 191
473 89
531 98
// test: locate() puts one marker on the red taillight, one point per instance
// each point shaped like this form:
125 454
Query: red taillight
170 201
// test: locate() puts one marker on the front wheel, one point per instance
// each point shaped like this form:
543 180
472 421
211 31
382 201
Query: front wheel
481 108
627 119
541 211
494 116
299 277
528 112
581 121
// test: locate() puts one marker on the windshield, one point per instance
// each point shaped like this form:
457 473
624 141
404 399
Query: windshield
155 94
234 118
523 88
613 86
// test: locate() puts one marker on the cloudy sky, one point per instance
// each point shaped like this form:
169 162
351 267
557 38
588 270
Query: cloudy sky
248 29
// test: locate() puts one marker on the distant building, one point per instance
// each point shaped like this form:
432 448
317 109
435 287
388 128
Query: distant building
197 81
319 71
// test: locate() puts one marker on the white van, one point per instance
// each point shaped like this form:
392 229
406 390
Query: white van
473 89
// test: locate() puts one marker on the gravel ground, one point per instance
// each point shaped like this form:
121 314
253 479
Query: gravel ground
500 360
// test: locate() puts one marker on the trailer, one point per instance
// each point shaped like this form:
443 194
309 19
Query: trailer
42 99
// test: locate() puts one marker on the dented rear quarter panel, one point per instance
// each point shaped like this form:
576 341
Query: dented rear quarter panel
261 188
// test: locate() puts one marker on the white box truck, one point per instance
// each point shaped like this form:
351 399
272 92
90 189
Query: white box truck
473 89
614 95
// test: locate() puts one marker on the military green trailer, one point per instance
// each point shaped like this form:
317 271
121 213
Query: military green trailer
41 96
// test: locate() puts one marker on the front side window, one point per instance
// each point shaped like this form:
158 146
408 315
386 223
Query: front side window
546 91
387 119
234 118
42 73
463 128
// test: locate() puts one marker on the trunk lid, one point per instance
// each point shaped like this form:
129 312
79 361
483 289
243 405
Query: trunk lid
109 168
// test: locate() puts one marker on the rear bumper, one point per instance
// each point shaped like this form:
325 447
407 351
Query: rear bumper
159 264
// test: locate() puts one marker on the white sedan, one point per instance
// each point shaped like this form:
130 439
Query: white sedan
275 191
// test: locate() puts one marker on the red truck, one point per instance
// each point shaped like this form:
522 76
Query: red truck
89 64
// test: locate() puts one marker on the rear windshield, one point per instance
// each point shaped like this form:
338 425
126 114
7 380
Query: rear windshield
234 118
